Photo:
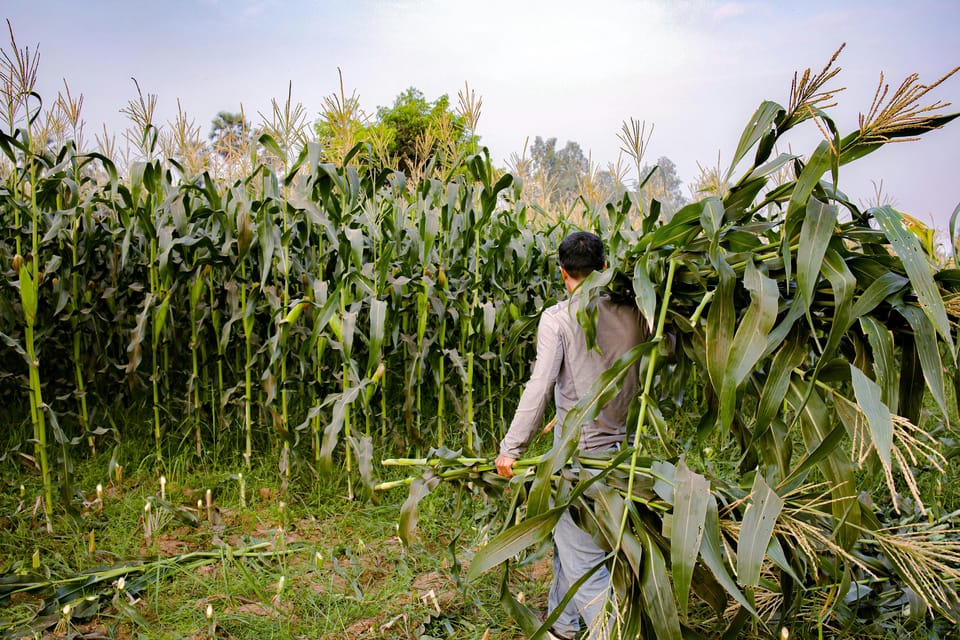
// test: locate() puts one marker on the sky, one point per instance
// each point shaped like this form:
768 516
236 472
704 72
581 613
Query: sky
694 70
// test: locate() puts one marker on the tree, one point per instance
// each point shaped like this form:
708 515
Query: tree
558 173
665 186
419 130
229 132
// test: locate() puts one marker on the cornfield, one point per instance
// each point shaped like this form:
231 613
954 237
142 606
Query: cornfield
340 313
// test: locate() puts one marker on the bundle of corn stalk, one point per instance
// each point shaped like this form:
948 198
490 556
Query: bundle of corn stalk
691 553
807 333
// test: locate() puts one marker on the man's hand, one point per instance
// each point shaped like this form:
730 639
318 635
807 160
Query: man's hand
505 465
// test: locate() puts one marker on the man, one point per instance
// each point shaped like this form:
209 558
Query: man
566 366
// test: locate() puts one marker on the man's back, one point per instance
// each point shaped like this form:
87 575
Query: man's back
619 329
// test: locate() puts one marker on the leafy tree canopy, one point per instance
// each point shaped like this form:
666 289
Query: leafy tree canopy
418 130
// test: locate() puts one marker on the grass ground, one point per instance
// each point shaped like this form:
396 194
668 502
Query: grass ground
308 564
304 562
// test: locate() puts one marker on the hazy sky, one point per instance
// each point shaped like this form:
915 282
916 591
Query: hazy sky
694 69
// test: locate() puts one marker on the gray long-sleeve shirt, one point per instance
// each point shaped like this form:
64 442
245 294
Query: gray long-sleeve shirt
565 365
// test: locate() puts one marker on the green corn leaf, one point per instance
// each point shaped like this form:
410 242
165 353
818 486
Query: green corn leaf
657 592
363 447
843 284
128 611
196 290
770 167
721 319
928 351
690 495
885 366
519 612
790 356
953 232
356 239
684 223
269 237
818 164
711 217
646 295
757 529
918 268
13 344
877 291
512 541
409 511
749 342
331 434
761 122
268 142
348 330
815 233
815 420
607 512
779 558
827 447
878 415
139 334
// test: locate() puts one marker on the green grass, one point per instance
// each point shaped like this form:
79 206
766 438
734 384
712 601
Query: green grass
344 572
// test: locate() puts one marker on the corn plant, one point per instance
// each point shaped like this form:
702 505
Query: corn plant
814 336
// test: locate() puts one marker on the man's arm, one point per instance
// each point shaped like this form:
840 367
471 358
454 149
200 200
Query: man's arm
533 401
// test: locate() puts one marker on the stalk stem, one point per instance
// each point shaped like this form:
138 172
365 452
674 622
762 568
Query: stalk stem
648 383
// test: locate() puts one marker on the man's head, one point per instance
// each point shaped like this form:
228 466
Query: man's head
581 253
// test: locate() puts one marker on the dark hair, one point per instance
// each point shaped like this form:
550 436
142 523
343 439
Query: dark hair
581 253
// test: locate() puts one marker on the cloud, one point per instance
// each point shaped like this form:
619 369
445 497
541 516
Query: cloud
727 10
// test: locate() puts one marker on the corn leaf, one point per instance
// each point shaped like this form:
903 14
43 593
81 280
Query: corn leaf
748 343
690 495
711 217
809 178
918 268
363 447
512 541
519 612
815 233
827 447
409 511
815 421
331 434
657 592
757 529
790 356
843 284
646 296
928 351
884 361
608 514
721 319
878 415
761 122
13 344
